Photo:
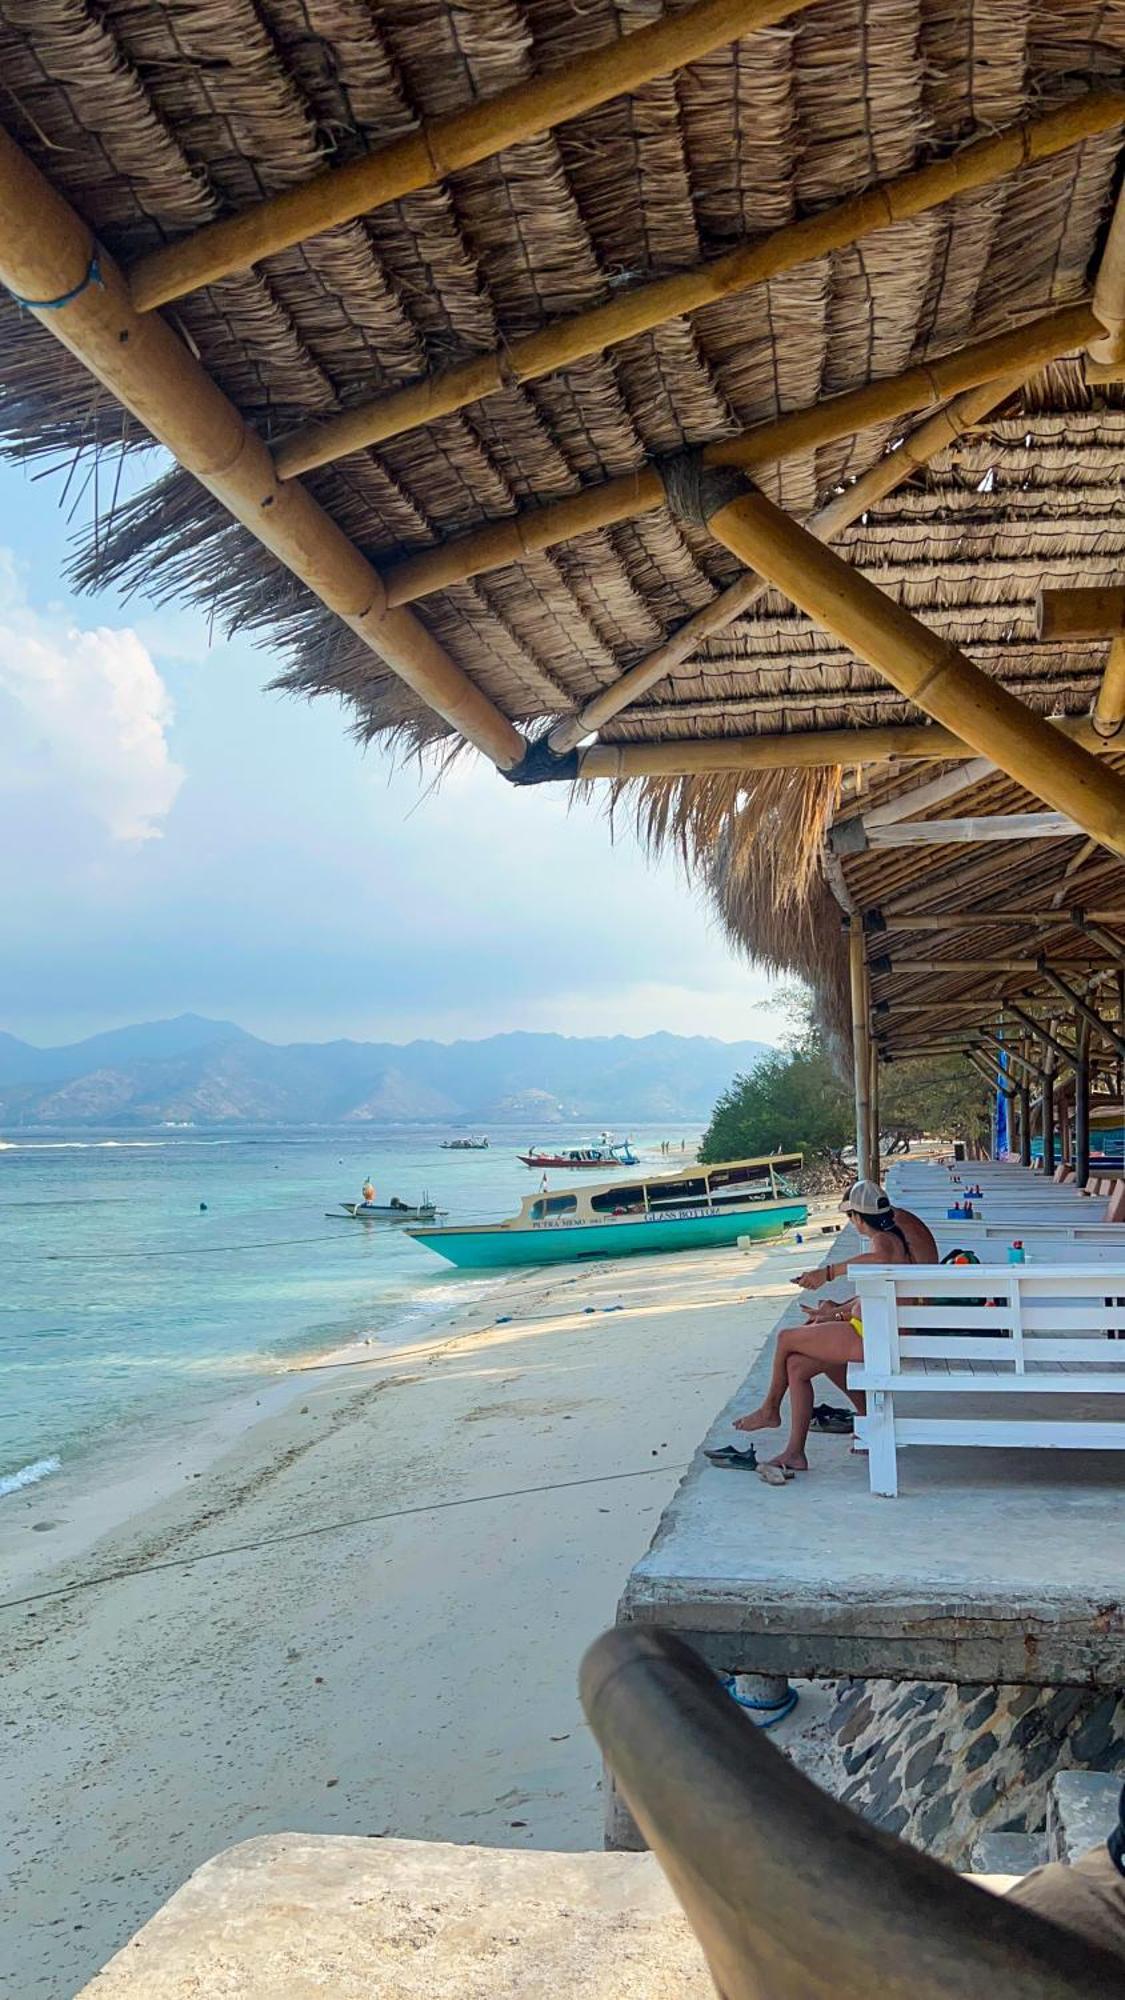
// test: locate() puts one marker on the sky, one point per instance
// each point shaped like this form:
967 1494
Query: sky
174 839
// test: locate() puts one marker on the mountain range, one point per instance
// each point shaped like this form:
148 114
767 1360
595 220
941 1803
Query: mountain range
195 1071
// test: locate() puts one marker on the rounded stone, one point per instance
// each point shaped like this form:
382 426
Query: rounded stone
981 1750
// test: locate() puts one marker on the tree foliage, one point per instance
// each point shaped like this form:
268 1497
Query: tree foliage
794 1100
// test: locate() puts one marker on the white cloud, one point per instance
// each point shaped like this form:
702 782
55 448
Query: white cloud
84 717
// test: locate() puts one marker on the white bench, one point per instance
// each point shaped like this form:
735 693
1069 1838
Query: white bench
1050 1331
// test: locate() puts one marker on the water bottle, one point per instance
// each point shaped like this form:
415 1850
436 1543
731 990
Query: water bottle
1016 1252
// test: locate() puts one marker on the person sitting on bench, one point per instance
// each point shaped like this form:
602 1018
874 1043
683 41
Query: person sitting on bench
832 1336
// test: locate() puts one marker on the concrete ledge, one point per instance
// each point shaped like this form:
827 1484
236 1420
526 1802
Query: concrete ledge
1081 1812
298 1916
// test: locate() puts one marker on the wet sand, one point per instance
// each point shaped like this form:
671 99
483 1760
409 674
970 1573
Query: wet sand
366 1614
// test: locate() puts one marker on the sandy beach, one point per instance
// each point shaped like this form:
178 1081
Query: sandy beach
365 1614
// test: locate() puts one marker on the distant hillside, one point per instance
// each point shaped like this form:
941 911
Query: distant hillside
203 1072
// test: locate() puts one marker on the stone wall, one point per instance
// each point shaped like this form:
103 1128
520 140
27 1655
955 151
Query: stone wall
941 1765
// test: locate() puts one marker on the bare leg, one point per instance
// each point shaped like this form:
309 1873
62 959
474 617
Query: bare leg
767 1416
816 1350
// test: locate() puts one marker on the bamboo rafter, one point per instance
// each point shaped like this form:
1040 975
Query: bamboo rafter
459 139
568 340
935 435
47 253
805 749
927 669
537 528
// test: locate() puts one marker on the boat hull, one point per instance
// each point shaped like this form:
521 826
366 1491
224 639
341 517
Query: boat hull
473 1249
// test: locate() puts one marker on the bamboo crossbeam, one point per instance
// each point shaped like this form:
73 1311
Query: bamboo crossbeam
1083 1009
927 669
935 435
922 797
443 145
802 750
1044 1034
977 920
971 832
48 254
1097 613
645 306
538 528
1027 967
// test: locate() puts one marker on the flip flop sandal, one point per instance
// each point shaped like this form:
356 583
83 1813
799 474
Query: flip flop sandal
746 1461
776 1475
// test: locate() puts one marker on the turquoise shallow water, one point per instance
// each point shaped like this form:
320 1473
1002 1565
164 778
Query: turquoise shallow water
124 1308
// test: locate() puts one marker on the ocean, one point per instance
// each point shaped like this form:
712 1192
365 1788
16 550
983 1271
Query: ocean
128 1308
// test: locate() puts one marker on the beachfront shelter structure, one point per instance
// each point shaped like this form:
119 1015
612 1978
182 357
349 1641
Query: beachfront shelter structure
720 401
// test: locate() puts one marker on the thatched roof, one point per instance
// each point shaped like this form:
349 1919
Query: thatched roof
157 117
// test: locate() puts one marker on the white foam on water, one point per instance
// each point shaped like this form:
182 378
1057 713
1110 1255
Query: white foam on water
28 1475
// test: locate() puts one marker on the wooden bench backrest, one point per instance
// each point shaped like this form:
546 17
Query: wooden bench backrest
790 1894
1052 1313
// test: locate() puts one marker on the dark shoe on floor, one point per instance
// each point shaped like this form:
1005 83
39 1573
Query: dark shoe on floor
746 1461
830 1417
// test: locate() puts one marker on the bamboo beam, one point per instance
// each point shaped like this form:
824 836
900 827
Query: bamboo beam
1082 1009
1043 1034
1098 613
1108 347
538 528
924 667
1014 1055
991 1074
638 310
935 435
443 145
48 254
1024 965
860 835
933 793
980 920
803 749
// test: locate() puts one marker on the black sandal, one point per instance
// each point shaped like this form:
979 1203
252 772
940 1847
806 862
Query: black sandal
830 1417
745 1461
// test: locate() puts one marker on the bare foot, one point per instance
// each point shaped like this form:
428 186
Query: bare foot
763 1419
791 1461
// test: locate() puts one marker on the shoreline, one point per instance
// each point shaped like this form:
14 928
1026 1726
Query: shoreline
367 1615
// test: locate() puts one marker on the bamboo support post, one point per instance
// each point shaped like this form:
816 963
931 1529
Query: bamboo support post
458 139
538 528
1097 613
1109 708
645 306
1082 1109
873 1097
47 253
1047 1123
935 435
857 970
927 669
1108 347
1025 1124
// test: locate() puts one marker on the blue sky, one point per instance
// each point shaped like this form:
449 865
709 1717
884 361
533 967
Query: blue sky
173 838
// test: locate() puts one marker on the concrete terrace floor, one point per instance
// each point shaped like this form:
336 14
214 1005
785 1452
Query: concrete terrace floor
989 1566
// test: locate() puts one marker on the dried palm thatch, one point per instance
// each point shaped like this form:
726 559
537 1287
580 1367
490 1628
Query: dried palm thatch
155 117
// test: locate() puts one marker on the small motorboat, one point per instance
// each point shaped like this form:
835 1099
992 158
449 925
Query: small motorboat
393 1211
464 1145
603 1152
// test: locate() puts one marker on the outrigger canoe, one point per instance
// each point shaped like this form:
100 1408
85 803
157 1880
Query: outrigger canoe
369 1211
694 1208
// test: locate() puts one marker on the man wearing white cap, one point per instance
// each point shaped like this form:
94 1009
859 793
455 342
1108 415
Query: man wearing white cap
832 1335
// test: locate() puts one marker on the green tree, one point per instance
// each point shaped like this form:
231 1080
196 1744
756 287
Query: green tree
794 1101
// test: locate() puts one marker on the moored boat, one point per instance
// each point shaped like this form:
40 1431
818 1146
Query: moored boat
603 1152
464 1145
692 1209
394 1211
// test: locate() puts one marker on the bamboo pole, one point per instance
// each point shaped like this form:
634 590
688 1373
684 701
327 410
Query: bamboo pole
1108 347
802 750
638 310
538 528
48 254
1027 966
925 668
1044 1034
1047 1122
1098 613
857 971
1083 1011
873 1096
1025 1125
1109 709
935 435
1082 1108
443 145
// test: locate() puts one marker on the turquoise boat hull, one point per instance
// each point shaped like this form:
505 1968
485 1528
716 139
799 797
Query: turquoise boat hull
478 1248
